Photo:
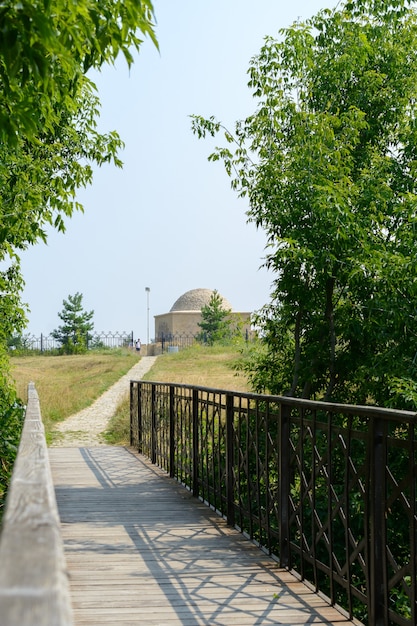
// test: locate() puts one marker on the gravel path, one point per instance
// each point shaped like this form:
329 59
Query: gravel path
85 428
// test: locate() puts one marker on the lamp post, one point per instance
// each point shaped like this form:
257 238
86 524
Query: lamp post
147 289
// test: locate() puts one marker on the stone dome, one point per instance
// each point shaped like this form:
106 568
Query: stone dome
195 299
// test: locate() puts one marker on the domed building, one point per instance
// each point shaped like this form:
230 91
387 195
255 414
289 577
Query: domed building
185 315
195 299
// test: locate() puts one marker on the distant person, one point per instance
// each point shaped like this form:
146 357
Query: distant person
138 345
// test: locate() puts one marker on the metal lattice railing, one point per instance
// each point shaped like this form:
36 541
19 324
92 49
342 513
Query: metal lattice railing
329 489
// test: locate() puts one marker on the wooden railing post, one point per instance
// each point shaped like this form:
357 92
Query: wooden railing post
284 486
230 453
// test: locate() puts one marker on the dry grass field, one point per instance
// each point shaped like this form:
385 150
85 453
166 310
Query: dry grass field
204 366
67 384
200 365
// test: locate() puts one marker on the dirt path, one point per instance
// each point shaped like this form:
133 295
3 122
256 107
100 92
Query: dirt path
86 427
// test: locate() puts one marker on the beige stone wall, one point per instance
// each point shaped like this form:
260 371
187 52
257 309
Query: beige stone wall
177 323
186 323
163 325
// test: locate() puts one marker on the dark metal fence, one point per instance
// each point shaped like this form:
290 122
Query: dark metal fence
328 489
165 343
47 343
170 342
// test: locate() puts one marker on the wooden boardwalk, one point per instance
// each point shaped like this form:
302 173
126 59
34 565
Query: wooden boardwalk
141 550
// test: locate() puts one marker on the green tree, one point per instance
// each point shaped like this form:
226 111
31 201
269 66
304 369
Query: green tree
48 136
215 321
328 163
73 335
48 116
47 47
38 183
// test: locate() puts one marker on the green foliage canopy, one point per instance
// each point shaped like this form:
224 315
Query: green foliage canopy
48 113
48 117
48 137
48 45
328 162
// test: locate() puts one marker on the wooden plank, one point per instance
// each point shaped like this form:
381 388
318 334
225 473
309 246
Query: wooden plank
141 550
34 587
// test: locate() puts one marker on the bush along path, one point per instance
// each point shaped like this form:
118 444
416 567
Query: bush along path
85 428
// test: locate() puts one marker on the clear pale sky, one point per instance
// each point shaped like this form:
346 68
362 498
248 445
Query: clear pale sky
169 219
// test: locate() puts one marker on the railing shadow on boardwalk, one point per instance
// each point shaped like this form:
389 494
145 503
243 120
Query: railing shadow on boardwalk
329 489
178 561
146 537
306 446
204 572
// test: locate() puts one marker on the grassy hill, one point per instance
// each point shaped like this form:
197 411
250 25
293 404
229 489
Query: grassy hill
200 365
67 384
206 366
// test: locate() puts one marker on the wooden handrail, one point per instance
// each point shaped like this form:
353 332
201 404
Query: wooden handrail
34 589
